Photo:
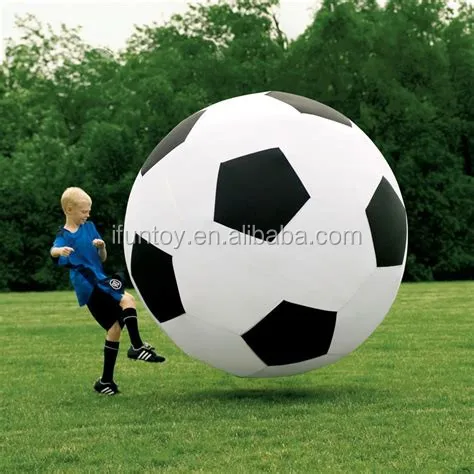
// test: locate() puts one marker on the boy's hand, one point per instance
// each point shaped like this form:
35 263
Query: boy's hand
65 251
100 244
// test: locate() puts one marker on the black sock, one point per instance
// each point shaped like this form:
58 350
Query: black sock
129 316
111 349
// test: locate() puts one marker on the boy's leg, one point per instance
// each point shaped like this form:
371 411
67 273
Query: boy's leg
129 318
111 348
139 350
104 309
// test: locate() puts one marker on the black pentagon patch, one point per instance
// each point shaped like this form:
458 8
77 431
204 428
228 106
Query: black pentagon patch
258 194
171 141
310 106
388 225
153 272
292 333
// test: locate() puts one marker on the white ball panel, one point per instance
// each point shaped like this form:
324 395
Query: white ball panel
226 291
212 345
344 255
321 275
375 160
193 185
236 112
331 160
359 318
152 212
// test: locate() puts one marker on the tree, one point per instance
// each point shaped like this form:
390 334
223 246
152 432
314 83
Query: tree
71 115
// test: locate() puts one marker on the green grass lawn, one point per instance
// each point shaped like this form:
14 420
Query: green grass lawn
402 402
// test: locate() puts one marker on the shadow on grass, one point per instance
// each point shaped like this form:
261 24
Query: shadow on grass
331 395
284 395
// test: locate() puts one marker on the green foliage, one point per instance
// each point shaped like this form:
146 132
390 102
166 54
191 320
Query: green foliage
72 115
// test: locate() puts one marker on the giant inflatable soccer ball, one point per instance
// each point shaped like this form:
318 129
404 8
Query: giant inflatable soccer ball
266 235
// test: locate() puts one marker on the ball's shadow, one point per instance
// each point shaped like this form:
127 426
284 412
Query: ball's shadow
285 395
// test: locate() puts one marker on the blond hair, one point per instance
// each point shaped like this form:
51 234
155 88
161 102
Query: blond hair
72 196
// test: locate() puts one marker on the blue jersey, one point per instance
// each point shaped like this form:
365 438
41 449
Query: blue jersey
85 266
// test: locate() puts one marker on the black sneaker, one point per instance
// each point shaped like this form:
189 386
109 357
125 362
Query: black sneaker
146 353
108 388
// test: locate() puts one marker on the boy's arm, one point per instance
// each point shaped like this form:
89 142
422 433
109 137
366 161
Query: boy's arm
61 251
102 250
54 252
99 243
60 255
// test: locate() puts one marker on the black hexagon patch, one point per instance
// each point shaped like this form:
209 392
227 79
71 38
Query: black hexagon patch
153 273
310 106
171 141
388 225
258 194
292 333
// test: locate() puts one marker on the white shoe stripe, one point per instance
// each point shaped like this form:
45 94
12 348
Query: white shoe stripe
106 390
147 356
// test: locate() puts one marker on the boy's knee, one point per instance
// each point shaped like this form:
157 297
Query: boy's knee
113 334
127 301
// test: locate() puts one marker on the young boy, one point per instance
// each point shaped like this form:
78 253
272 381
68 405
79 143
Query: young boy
79 247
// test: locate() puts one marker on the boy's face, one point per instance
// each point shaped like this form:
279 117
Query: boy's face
79 212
